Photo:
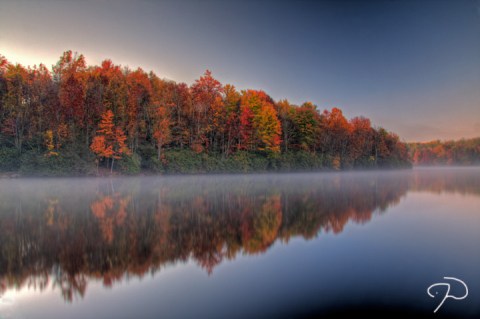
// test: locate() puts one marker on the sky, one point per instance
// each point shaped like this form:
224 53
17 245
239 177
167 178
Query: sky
412 67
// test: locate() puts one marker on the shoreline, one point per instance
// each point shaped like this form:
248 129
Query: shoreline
146 173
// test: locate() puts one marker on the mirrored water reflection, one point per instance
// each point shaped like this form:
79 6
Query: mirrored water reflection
239 245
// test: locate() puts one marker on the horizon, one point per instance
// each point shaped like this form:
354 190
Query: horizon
413 68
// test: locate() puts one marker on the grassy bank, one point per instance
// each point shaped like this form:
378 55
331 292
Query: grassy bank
78 162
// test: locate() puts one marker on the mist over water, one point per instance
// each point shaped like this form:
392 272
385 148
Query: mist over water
239 245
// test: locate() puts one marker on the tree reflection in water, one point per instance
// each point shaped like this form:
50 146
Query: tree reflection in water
69 231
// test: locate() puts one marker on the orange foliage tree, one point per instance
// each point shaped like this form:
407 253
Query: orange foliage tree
161 128
110 140
231 101
336 136
208 110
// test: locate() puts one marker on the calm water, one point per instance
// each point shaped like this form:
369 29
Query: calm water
241 246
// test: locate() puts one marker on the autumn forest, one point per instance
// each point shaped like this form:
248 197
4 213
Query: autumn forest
86 120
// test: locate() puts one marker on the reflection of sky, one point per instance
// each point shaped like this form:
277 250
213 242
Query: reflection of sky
390 260
412 66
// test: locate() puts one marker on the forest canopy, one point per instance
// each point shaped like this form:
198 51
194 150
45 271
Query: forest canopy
76 119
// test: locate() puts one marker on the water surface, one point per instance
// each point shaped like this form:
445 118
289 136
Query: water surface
240 246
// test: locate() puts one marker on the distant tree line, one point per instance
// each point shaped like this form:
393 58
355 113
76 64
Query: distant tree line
460 152
78 118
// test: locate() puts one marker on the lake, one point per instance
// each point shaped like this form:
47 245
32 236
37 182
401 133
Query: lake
242 246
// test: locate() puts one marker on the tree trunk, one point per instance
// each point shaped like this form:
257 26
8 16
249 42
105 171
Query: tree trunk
86 136
111 168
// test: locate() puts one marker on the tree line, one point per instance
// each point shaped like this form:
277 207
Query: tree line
75 116
460 152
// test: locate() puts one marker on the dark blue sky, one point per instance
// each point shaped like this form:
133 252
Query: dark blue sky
411 66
